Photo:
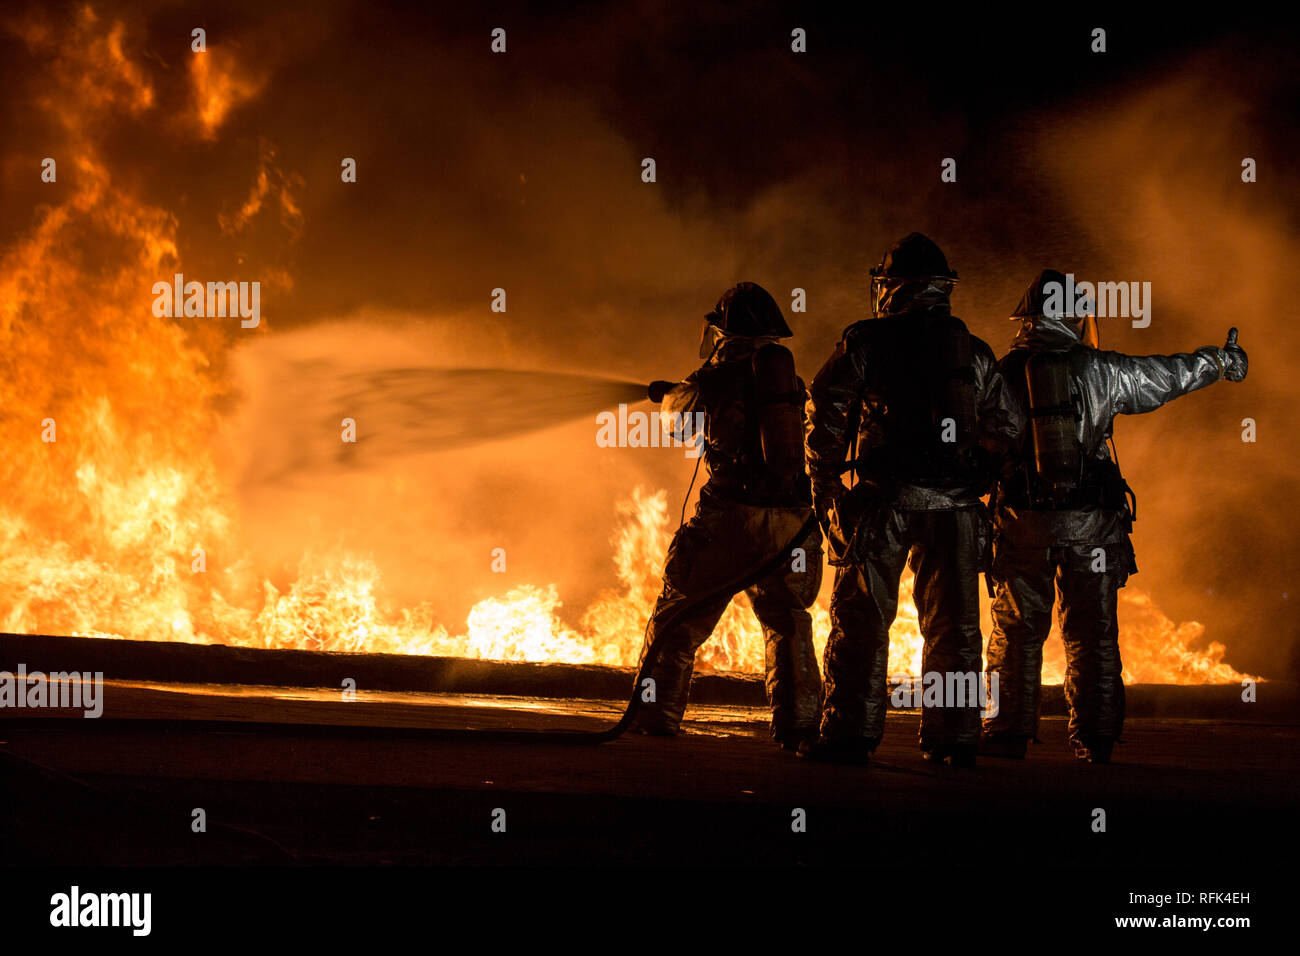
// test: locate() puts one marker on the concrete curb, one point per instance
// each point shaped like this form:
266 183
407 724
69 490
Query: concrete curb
175 662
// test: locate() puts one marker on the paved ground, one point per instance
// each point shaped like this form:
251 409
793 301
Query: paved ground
120 790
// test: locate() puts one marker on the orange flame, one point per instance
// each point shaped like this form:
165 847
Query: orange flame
219 87
106 418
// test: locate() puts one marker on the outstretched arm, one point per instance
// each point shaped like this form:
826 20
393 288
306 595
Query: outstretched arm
1142 383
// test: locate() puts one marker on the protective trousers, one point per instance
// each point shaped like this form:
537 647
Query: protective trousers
1088 586
714 548
945 549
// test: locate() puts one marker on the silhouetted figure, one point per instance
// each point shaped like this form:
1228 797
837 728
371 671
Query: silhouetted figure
914 406
1064 514
754 503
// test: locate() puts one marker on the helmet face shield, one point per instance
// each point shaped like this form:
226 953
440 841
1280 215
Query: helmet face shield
708 339
891 295
745 311
879 289
913 275
711 339
1043 300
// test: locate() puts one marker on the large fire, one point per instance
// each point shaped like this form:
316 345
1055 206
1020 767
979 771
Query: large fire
106 415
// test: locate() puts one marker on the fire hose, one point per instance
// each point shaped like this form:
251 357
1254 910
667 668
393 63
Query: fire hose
728 587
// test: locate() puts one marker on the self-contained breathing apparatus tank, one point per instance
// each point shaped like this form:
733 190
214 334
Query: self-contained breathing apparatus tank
1057 456
954 406
778 399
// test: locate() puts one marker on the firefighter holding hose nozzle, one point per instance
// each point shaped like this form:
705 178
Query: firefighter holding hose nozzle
754 512
1064 514
915 407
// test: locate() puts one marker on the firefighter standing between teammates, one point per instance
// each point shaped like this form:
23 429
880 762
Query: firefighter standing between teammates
914 405
754 505
1064 514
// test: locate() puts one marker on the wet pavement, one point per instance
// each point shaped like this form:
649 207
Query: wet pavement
300 776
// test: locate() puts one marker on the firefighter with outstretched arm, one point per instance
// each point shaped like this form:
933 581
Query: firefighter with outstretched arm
1064 513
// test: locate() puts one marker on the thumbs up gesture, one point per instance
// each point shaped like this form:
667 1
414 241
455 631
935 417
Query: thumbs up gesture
1235 362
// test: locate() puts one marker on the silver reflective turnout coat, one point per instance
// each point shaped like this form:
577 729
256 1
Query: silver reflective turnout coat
1108 384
